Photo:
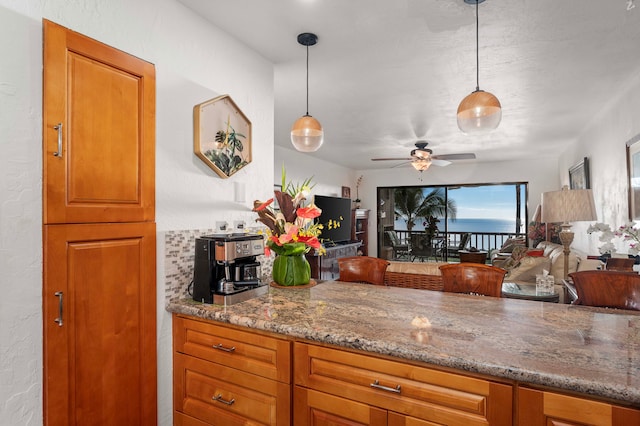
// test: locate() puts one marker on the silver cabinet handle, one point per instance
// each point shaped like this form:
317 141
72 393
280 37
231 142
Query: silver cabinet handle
218 398
377 385
60 305
222 348
58 127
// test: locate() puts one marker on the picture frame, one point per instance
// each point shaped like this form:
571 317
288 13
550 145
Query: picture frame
346 192
222 135
633 176
579 175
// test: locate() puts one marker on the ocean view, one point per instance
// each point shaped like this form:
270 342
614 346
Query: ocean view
466 225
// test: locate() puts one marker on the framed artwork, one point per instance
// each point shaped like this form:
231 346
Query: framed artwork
633 177
222 135
579 175
346 192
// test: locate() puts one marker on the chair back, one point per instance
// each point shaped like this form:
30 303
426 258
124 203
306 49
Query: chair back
472 278
464 240
393 238
619 264
362 269
609 289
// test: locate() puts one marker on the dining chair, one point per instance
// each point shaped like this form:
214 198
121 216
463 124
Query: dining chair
472 278
619 264
362 269
609 289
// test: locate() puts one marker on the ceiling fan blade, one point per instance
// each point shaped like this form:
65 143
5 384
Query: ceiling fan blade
404 163
392 159
439 162
465 156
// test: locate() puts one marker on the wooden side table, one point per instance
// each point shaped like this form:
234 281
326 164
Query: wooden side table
473 256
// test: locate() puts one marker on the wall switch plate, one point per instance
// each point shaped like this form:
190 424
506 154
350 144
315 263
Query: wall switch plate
238 225
221 226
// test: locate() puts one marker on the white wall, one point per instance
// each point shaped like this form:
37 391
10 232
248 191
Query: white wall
327 177
192 66
603 142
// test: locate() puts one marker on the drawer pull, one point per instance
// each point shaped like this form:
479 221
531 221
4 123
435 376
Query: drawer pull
377 385
222 348
224 401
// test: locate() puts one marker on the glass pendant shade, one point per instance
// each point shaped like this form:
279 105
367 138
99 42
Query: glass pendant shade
479 112
421 165
307 134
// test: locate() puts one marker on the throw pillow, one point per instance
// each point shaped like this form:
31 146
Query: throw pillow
511 243
535 252
528 268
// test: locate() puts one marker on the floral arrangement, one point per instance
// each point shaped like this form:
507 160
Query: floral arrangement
627 232
292 229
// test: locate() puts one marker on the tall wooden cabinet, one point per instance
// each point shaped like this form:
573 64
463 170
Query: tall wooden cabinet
360 229
99 251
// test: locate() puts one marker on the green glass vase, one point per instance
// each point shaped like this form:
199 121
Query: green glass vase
291 270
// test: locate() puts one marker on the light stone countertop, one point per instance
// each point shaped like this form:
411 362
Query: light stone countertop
589 350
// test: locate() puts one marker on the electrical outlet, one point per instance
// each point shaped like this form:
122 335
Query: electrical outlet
238 225
221 226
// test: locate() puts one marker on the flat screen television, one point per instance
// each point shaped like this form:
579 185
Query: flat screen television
335 218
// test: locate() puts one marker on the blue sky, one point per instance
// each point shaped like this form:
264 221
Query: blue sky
485 202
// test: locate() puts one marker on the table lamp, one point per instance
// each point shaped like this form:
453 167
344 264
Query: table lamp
568 205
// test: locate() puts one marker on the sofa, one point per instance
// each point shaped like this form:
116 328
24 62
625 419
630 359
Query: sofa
524 264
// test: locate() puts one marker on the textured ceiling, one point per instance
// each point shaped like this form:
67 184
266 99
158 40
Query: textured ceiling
387 73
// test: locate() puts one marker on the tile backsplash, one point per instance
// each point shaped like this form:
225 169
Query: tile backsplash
179 252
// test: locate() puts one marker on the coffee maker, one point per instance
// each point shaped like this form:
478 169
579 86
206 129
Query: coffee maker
225 264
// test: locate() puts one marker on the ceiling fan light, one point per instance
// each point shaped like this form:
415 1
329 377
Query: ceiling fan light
307 134
479 112
421 165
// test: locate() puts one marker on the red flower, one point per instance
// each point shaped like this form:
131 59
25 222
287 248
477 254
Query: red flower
263 205
310 212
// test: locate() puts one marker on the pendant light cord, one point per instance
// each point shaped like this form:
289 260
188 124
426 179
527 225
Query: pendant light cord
307 79
477 52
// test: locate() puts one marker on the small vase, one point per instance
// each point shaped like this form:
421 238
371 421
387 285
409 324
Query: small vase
291 270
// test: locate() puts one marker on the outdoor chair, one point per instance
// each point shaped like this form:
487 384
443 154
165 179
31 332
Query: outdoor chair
608 289
422 247
400 251
455 249
472 278
362 269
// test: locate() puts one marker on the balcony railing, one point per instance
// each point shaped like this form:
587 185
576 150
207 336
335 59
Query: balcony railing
484 241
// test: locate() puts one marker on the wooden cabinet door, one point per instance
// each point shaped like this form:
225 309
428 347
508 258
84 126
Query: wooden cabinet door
540 408
98 131
312 408
99 324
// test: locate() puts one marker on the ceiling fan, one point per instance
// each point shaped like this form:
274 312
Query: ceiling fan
421 157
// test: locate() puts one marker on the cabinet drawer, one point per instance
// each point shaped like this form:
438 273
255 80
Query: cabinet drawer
420 392
242 398
254 353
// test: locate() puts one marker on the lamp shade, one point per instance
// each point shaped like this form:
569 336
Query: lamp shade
568 205
307 134
479 112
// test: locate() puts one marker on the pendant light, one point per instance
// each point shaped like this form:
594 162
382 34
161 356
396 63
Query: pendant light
306 132
479 112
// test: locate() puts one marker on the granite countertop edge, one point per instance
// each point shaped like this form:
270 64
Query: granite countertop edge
294 315
620 393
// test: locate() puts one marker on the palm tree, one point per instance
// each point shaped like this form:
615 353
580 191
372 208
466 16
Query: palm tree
413 204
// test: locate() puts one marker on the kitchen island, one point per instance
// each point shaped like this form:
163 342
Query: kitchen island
578 350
